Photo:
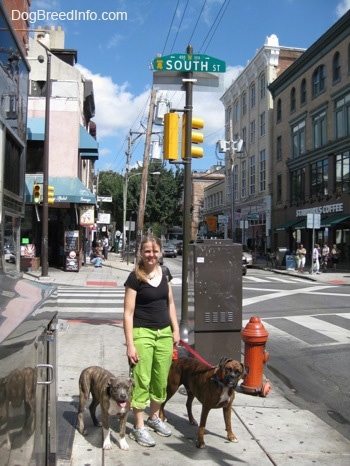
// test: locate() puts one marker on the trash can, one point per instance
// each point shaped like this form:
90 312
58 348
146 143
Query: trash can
290 262
217 277
281 256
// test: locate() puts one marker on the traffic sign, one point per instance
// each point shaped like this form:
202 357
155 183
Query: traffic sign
253 216
189 63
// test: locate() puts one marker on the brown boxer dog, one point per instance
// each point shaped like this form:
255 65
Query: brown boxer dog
214 387
112 394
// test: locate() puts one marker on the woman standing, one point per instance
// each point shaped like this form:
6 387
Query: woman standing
325 255
151 330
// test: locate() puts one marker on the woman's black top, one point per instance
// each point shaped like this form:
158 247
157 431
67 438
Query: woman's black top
151 305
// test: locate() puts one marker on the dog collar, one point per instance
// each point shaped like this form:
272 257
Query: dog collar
218 378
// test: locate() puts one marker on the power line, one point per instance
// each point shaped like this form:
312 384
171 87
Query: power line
195 26
171 25
218 21
178 29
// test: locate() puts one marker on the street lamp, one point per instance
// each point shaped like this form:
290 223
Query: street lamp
125 197
45 210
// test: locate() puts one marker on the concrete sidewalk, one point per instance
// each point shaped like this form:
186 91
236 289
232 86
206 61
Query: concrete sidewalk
270 430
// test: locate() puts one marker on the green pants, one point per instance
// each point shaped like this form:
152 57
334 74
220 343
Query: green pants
155 350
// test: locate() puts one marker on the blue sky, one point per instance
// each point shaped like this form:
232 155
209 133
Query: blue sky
116 54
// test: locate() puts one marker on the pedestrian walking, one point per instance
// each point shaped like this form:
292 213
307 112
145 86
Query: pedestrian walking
301 253
151 331
105 245
325 257
316 255
335 253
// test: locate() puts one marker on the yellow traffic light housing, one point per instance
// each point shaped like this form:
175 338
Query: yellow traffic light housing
37 193
50 194
196 137
171 136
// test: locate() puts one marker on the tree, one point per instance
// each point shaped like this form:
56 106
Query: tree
163 202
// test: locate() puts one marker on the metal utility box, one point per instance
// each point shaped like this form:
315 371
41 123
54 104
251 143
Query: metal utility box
28 372
216 272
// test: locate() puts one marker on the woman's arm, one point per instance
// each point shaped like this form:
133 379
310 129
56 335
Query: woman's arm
173 317
129 308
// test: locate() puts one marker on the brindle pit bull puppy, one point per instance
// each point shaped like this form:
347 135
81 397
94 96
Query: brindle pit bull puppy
214 387
112 394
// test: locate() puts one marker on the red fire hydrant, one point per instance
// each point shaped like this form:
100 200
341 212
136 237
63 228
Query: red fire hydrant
255 337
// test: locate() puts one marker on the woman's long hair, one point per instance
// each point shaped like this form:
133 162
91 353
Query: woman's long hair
140 267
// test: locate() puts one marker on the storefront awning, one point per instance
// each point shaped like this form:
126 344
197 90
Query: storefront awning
334 220
289 225
88 146
66 190
36 129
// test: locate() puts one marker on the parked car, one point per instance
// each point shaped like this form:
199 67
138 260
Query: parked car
244 265
178 245
248 255
169 250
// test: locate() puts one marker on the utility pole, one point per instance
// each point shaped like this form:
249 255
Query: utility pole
188 84
144 177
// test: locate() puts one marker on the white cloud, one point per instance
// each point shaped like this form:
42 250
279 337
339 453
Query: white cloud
116 108
342 7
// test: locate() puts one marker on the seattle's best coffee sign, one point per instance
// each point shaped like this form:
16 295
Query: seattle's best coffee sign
322 209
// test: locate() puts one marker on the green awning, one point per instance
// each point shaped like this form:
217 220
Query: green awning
88 146
66 190
289 225
36 129
334 220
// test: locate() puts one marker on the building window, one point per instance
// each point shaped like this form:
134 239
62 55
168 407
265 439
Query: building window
252 175
342 173
262 86
252 131
236 110
319 81
292 100
262 170
279 188
298 139
278 111
336 67
297 186
279 148
342 117
252 96
319 130
244 103
303 92
244 136
262 124
244 179
319 178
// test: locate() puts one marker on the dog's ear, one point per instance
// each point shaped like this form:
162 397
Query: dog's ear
223 362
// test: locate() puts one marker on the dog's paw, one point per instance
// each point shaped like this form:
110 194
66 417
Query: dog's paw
200 444
123 444
107 446
232 438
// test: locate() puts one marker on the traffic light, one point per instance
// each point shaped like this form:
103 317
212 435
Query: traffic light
196 137
37 193
171 136
50 195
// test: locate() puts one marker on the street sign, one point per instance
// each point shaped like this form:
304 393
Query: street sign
313 221
104 199
253 217
189 63
223 219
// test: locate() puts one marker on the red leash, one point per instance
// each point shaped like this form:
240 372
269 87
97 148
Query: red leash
194 353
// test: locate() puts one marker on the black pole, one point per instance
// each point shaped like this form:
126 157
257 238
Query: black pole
45 212
188 82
